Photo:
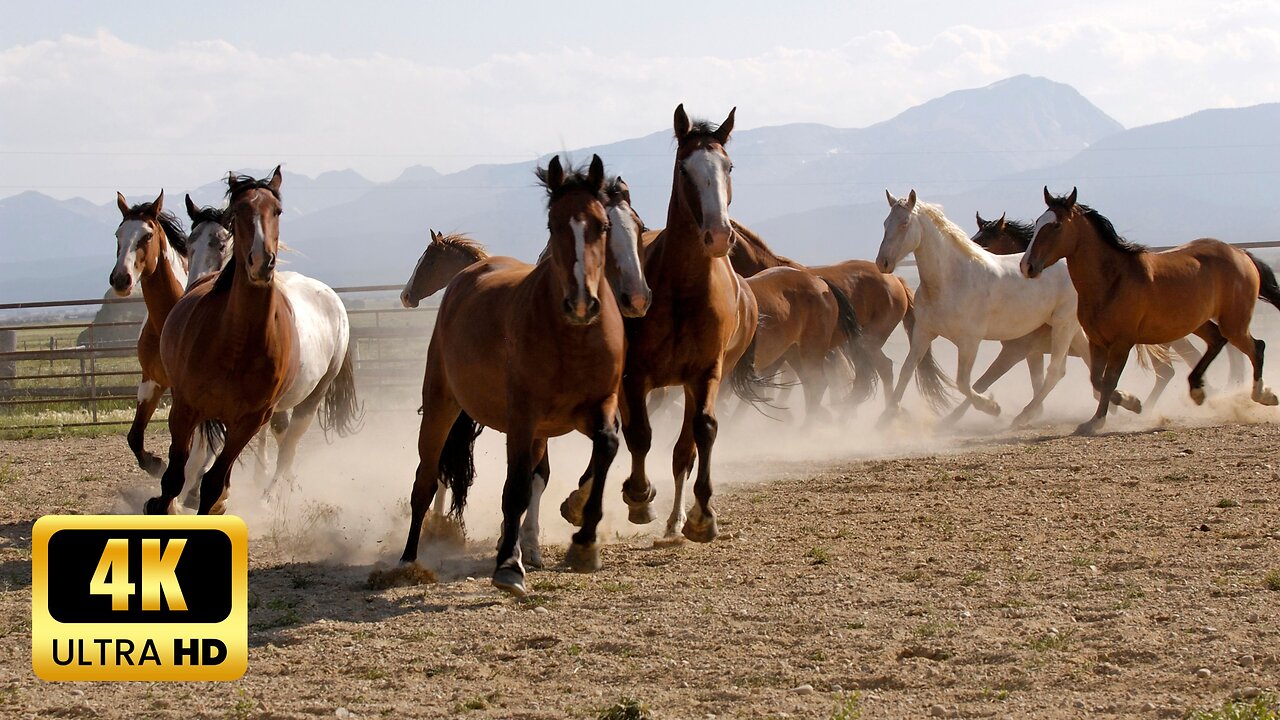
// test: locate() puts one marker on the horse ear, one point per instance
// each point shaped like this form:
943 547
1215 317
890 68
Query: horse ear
595 174
682 123
158 205
1001 221
1048 199
981 222
1071 199
889 196
276 178
122 203
726 127
435 236
555 173
192 210
911 200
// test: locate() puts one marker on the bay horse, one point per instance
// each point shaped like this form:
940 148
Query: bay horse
325 384
1129 295
968 295
534 351
881 301
698 328
1011 237
151 252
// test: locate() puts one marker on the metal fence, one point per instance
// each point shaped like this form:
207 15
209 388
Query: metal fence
83 373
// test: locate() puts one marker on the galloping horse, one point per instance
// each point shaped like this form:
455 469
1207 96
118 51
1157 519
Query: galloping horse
535 351
1130 296
151 251
702 321
444 257
882 302
325 384
230 347
968 295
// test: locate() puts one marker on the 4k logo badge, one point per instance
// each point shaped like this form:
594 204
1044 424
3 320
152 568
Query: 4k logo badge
130 597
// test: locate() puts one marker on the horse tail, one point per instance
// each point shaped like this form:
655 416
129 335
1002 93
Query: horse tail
457 461
1268 289
746 382
932 382
1151 355
865 377
215 433
341 410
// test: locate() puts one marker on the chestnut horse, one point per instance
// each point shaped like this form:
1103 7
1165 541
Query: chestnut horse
230 347
882 301
151 252
534 351
1129 295
700 324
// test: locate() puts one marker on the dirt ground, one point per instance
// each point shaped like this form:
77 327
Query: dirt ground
1019 575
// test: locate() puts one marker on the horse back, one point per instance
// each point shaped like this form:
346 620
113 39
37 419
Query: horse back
879 299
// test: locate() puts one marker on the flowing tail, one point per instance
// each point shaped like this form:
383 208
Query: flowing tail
746 382
457 461
933 384
865 377
1268 289
341 411
1150 356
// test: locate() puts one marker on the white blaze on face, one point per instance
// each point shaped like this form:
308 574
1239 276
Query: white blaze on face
209 245
258 252
624 244
1047 218
707 169
127 237
579 255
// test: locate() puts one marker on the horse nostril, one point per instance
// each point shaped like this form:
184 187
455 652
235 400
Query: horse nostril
593 307
568 307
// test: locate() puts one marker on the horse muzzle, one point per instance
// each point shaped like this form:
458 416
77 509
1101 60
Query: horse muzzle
1030 270
262 273
407 301
885 265
582 312
121 283
636 304
718 241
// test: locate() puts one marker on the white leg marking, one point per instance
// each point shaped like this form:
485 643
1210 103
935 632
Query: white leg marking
148 390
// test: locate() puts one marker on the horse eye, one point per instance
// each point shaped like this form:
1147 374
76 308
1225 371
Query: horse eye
279 211
730 167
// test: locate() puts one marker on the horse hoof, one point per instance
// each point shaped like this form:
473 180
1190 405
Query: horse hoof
702 532
1089 428
1197 395
1266 397
531 556
510 580
886 418
987 405
671 539
583 558
157 506
152 465
571 509
191 501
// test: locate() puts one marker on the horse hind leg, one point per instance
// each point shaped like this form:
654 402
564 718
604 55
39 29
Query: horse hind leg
149 394
439 413
1213 337
1164 374
530 546
298 421
1255 350
682 459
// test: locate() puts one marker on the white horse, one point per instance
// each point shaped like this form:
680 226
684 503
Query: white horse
325 384
968 295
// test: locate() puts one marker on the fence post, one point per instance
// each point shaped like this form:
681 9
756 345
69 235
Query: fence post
8 368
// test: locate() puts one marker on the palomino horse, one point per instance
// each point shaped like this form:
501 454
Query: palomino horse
447 255
230 347
151 252
802 318
534 351
968 295
1129 295
1011 237
882 302
325 384
700 324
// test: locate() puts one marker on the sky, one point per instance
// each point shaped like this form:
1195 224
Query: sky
135 96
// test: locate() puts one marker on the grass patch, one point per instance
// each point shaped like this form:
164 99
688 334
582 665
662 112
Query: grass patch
911 576
1264 707
971 578
617 586
626 708
1060 642
818 556
1022 576
934 629
242 707
1272 580
847 706
1228 503
7 474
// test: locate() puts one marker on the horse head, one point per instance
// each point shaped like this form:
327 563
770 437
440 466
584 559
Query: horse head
445 257
255 225
901 234
579 228
1049 242
703 184
145 234
626 272
210 241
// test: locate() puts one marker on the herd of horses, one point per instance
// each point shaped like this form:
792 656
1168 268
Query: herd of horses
612 312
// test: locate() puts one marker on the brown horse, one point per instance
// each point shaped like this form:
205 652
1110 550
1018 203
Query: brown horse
444 258
534 351
882 301
700 324
1130 296
151 251
802 318
230 346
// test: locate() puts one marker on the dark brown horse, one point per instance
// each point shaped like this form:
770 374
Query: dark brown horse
151 252
881 301
230 346
1130 296
534 351
700 324
444 258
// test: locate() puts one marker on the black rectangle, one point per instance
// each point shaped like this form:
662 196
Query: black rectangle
203 571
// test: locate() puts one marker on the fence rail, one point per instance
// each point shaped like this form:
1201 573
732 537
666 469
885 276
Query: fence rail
76 377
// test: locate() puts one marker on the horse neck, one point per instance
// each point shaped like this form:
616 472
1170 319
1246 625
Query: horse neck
937 258
251 309
162 289
1095 264
682 259
751 256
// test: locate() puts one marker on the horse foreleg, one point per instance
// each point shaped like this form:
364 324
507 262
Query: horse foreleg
701 524
198 463
682 458
966 355
216 484
1212 336
921 339
1164 373
583 554
530 544
508 572
300 420
1059 348
183 420
439 411
637 491
1113 360
149 394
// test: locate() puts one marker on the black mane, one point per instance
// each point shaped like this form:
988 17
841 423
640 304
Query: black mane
237 184
1022 232
1104 228
208 213
575 179
169 222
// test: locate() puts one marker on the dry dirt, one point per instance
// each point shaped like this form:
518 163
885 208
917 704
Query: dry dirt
1014 575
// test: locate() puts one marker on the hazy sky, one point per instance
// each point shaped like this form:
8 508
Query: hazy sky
97 96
